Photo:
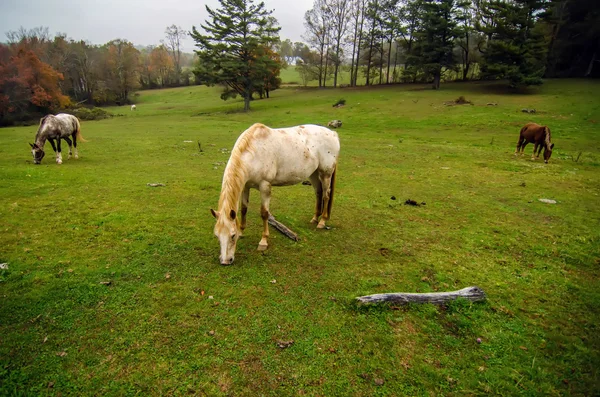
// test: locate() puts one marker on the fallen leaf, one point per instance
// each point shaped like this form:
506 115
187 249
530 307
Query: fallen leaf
379 381
61 354
168 276
522 348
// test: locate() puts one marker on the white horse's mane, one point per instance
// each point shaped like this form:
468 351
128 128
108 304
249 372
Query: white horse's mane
234 176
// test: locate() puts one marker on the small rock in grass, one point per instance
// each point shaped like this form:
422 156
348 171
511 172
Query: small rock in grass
547 201
283 344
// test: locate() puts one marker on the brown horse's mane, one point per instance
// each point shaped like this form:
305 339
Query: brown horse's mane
234 176
547 136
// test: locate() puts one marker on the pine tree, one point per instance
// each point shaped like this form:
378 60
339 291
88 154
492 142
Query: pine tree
433 48
516 48
231 50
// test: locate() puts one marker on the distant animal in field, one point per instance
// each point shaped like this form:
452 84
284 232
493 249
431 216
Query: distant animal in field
54 128
538 135
264 157
133 107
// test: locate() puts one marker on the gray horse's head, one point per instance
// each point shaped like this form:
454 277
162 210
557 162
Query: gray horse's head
37 152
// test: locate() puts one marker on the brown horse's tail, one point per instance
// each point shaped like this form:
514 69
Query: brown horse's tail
331 191
78 132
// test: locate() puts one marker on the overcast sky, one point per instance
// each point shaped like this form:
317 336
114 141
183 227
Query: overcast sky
142 22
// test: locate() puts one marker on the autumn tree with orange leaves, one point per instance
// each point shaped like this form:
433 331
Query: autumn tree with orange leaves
27 85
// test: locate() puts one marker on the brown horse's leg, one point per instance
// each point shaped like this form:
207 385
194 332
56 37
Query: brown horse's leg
316 183
535 148
265 197
245 201
519 144
523 147
326 184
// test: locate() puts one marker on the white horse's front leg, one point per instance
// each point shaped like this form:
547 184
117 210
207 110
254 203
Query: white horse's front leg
245 202
265 197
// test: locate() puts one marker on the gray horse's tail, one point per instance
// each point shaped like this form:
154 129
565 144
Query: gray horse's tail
78 131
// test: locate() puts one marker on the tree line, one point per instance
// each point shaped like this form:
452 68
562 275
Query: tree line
41 74
373 41
389 41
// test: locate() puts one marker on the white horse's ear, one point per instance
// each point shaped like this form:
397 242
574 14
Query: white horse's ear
214 213
232 214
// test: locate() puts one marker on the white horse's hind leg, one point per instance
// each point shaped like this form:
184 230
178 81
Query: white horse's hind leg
316 183
265 197
58 158
326 184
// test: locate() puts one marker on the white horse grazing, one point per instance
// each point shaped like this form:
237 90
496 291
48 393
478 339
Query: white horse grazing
133 107
56 128
263 157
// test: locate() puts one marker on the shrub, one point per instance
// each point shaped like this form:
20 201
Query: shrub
89 113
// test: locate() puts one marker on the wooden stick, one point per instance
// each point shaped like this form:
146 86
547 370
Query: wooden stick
470 293
282 228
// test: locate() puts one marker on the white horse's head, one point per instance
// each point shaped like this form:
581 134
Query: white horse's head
228 232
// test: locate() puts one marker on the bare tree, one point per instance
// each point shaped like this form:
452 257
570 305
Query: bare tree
358 17
316 21
339 11
174 35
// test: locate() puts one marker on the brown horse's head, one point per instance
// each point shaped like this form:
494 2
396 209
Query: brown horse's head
37 152
227 231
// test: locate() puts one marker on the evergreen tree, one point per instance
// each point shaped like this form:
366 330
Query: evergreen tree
516 48
433 51
231 50
574 38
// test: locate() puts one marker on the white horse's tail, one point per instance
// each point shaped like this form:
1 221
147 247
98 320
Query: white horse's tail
331 191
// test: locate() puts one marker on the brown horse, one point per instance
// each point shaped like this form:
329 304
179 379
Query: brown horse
540 136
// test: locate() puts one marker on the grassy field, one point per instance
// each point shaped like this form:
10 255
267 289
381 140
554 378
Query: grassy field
114 287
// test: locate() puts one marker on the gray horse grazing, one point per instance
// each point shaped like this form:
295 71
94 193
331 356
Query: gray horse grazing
56 128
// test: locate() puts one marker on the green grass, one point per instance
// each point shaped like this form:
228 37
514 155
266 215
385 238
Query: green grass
67 229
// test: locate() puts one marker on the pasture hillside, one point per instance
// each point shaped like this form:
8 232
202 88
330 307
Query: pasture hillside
112 287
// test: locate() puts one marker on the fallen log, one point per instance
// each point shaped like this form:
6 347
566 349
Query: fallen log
282 228
437 298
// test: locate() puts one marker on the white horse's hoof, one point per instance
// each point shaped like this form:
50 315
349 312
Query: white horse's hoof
321 225
58 161
262 247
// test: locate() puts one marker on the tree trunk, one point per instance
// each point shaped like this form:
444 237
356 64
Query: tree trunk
591 65
470 293
389 61
436 80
